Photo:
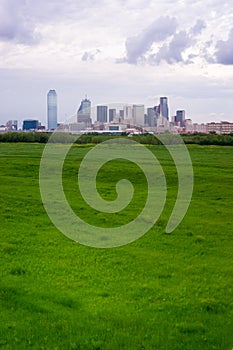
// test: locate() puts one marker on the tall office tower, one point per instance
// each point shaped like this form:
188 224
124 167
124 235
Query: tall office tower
157 110
121 114
128 112
84 113
180 118
151 116
138 115
85 107
164 107
111 114
102 114
52 109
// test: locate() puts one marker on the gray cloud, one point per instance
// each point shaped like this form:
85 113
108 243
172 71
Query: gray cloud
15 24
90 56
224 50
198 27
87 56
172 52
137 45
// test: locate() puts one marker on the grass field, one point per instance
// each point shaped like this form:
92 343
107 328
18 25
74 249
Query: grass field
163 291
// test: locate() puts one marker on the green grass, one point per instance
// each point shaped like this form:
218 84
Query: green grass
172 292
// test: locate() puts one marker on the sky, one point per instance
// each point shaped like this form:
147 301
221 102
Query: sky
131 51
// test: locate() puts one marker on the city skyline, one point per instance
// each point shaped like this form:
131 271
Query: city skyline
87 115
116 52
128 119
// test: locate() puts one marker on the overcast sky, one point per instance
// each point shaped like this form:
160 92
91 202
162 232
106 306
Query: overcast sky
130 51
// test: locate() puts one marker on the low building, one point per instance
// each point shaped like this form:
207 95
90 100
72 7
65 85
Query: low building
115 127
3 128
222 127
12 125
200 128
30 124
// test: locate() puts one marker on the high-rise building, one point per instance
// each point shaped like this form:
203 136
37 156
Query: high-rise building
52 109
151 116
163 106
122 114
180 118
128 112
102 114
111 114
157 110
138 115
85 107
84 113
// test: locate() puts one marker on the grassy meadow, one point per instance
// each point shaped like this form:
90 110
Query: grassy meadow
163 291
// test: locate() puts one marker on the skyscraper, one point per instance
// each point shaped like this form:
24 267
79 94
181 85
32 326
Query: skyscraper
180 118
121 115
102 114
138 115
52 109
128 112
112 114
151 116
85 107
164 108
84 113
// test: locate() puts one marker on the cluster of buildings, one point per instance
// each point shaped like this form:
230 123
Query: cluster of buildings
33 124
126 118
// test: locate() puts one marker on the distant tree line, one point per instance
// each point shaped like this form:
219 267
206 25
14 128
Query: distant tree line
95 138
24 137
209 139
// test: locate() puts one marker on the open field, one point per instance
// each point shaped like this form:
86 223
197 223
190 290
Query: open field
163 291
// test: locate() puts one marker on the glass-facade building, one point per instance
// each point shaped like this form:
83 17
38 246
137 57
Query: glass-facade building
30 124
138 115
52 109
151 116
102 114
85 107
111 114
180 118
164 107
84 113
